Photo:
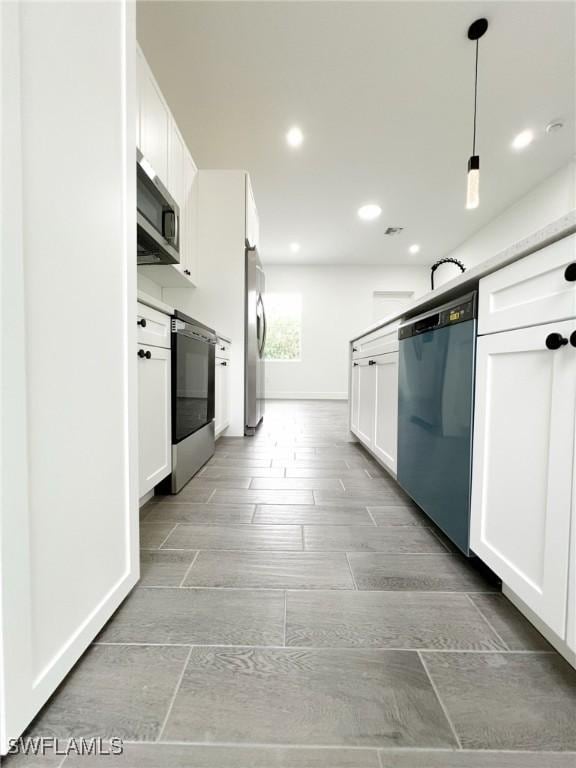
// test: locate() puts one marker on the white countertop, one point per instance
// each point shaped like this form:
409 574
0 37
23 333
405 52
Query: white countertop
468 280
151 301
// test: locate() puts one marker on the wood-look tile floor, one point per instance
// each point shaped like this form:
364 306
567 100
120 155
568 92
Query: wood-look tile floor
296 610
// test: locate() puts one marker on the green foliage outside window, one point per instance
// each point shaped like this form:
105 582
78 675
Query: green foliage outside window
284 326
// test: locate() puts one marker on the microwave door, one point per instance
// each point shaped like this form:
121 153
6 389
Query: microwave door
158 219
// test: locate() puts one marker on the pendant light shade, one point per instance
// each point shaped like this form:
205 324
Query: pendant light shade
475 32
473 186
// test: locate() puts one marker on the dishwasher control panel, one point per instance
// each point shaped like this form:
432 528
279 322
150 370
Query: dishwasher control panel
449 314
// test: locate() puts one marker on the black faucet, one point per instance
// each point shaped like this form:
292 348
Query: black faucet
447 260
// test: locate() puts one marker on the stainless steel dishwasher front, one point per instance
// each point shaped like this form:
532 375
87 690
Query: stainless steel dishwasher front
435 408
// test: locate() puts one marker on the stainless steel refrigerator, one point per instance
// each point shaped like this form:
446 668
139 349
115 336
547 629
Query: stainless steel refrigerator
254 343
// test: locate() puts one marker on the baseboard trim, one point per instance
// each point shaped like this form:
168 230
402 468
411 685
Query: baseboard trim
306 395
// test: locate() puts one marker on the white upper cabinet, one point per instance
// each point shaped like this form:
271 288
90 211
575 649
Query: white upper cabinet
161 143
154 121
524 463
386 409
252 220
176 153
539 288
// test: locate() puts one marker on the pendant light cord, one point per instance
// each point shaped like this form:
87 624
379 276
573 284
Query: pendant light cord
475 100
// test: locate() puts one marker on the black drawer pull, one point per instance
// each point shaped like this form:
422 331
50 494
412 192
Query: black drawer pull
354 364
555 341
142 354
223 362
570 272
371 362
573 338
142 322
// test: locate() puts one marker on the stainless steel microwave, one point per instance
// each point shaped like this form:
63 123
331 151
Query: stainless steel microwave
158 218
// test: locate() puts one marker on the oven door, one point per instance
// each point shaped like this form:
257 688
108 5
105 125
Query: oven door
193 362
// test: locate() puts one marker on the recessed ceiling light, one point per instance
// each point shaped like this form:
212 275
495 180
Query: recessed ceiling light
369 212
414 248
294 137
295 247
523 139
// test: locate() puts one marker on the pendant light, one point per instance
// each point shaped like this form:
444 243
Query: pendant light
475 32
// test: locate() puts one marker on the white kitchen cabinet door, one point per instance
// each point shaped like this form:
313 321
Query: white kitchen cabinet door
140 65
354 397
252 220
386 409
176 152
68 407
155 121
222 396
154 426
218 382
366 401
523 465
189 218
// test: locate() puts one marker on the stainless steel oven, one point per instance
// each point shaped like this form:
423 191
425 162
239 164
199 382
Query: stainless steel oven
158 218
193 352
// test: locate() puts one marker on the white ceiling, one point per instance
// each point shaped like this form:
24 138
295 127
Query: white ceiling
383 92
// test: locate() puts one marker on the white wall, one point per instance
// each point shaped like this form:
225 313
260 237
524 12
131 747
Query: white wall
550 200
218 301
336 304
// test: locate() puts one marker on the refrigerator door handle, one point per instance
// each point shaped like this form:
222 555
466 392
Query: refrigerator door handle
262 339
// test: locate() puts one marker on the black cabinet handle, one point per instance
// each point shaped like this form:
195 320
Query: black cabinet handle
142 322
354 364
354 349
573 338
141 353
187 272
223 362
555 341
570 272
148 355
371 362
223 349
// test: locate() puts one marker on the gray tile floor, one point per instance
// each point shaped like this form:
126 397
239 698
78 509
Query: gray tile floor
296 610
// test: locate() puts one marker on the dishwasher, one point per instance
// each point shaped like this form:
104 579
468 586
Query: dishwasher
435 405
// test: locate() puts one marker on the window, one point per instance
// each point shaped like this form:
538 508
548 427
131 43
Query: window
284 326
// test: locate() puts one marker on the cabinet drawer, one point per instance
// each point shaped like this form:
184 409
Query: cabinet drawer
223 349
378 342
540 288
153 327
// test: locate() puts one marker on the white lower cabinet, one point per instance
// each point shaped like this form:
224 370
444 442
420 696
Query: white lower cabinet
374 405
386 409
366 401
155 444
524 464
222 395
